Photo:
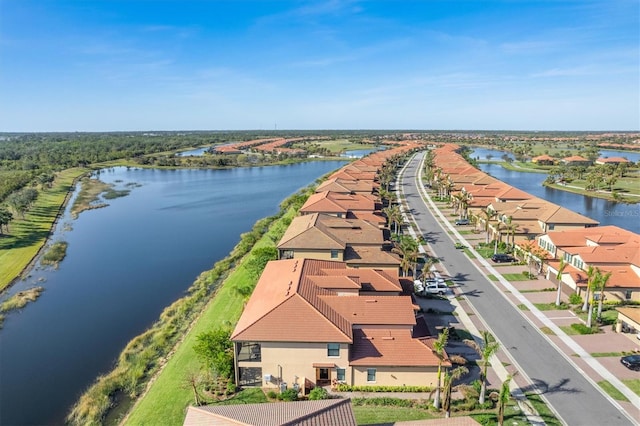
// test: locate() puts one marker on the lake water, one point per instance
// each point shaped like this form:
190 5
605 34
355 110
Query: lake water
193 152
606 212
124 264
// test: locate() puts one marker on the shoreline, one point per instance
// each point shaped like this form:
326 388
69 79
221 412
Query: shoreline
61 209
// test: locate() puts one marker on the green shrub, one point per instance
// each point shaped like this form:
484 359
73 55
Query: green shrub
349 388
575 299
272 394
318 393
582 329
289 395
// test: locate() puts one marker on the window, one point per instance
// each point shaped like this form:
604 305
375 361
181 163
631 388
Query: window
286 254
333 349
340 374
371 374
627 294
334 254
551 226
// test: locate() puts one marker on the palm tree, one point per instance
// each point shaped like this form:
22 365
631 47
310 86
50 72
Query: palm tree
604 279
449 377
394 216
487 215
503 398
408 249
486 350
559 278
591 275
438 349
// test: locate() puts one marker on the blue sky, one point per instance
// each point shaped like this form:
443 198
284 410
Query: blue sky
89 65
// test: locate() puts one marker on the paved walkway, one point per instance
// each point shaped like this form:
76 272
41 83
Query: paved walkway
576 349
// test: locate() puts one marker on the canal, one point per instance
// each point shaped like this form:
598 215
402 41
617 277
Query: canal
124 264
606 212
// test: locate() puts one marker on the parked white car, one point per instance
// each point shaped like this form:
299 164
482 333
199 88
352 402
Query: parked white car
436 287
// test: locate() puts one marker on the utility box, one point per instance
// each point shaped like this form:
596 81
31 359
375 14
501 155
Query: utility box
268 378
283 387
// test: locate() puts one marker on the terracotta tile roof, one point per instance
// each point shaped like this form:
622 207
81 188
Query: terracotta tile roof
323 231
283 295
304 232
369 279
334 202
346 186
380 347
510 193
303 413
611 160
319 202
287 293
544 157
575 158
375 217
362 255
374 310
561 215
632 313
604 236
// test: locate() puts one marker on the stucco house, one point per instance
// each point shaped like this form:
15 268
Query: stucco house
609 248
312 322
357 242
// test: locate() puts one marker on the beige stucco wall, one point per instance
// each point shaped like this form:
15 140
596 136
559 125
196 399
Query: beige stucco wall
297 359
317 254
397 376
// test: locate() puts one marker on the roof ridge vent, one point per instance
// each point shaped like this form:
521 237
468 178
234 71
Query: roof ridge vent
371 300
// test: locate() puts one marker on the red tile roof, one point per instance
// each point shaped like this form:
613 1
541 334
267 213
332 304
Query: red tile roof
376 347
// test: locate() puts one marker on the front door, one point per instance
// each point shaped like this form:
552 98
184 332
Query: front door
323 376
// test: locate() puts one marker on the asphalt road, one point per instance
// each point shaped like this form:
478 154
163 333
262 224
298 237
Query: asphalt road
573 397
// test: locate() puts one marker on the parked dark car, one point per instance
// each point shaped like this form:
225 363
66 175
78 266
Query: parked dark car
502 257
632 362
462 221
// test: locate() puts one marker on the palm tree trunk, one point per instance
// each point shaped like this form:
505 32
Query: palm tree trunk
599 316
590 315
586 300
559 294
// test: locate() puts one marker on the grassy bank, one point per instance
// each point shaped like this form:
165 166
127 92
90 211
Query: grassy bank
223 291
577 187
27 235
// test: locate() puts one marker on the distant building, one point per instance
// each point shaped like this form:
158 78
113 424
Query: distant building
576 160
544 160
612 160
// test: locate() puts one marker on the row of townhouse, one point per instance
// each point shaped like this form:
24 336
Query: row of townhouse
333 308
559 232
577 160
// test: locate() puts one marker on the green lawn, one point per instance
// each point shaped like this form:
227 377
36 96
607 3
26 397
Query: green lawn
28 235
612 391
167 398
371 415
633 384
515 277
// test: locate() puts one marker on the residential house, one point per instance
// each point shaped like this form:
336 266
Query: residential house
612 160
609 248
576 160
544 160
357 242
337 204
307 324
